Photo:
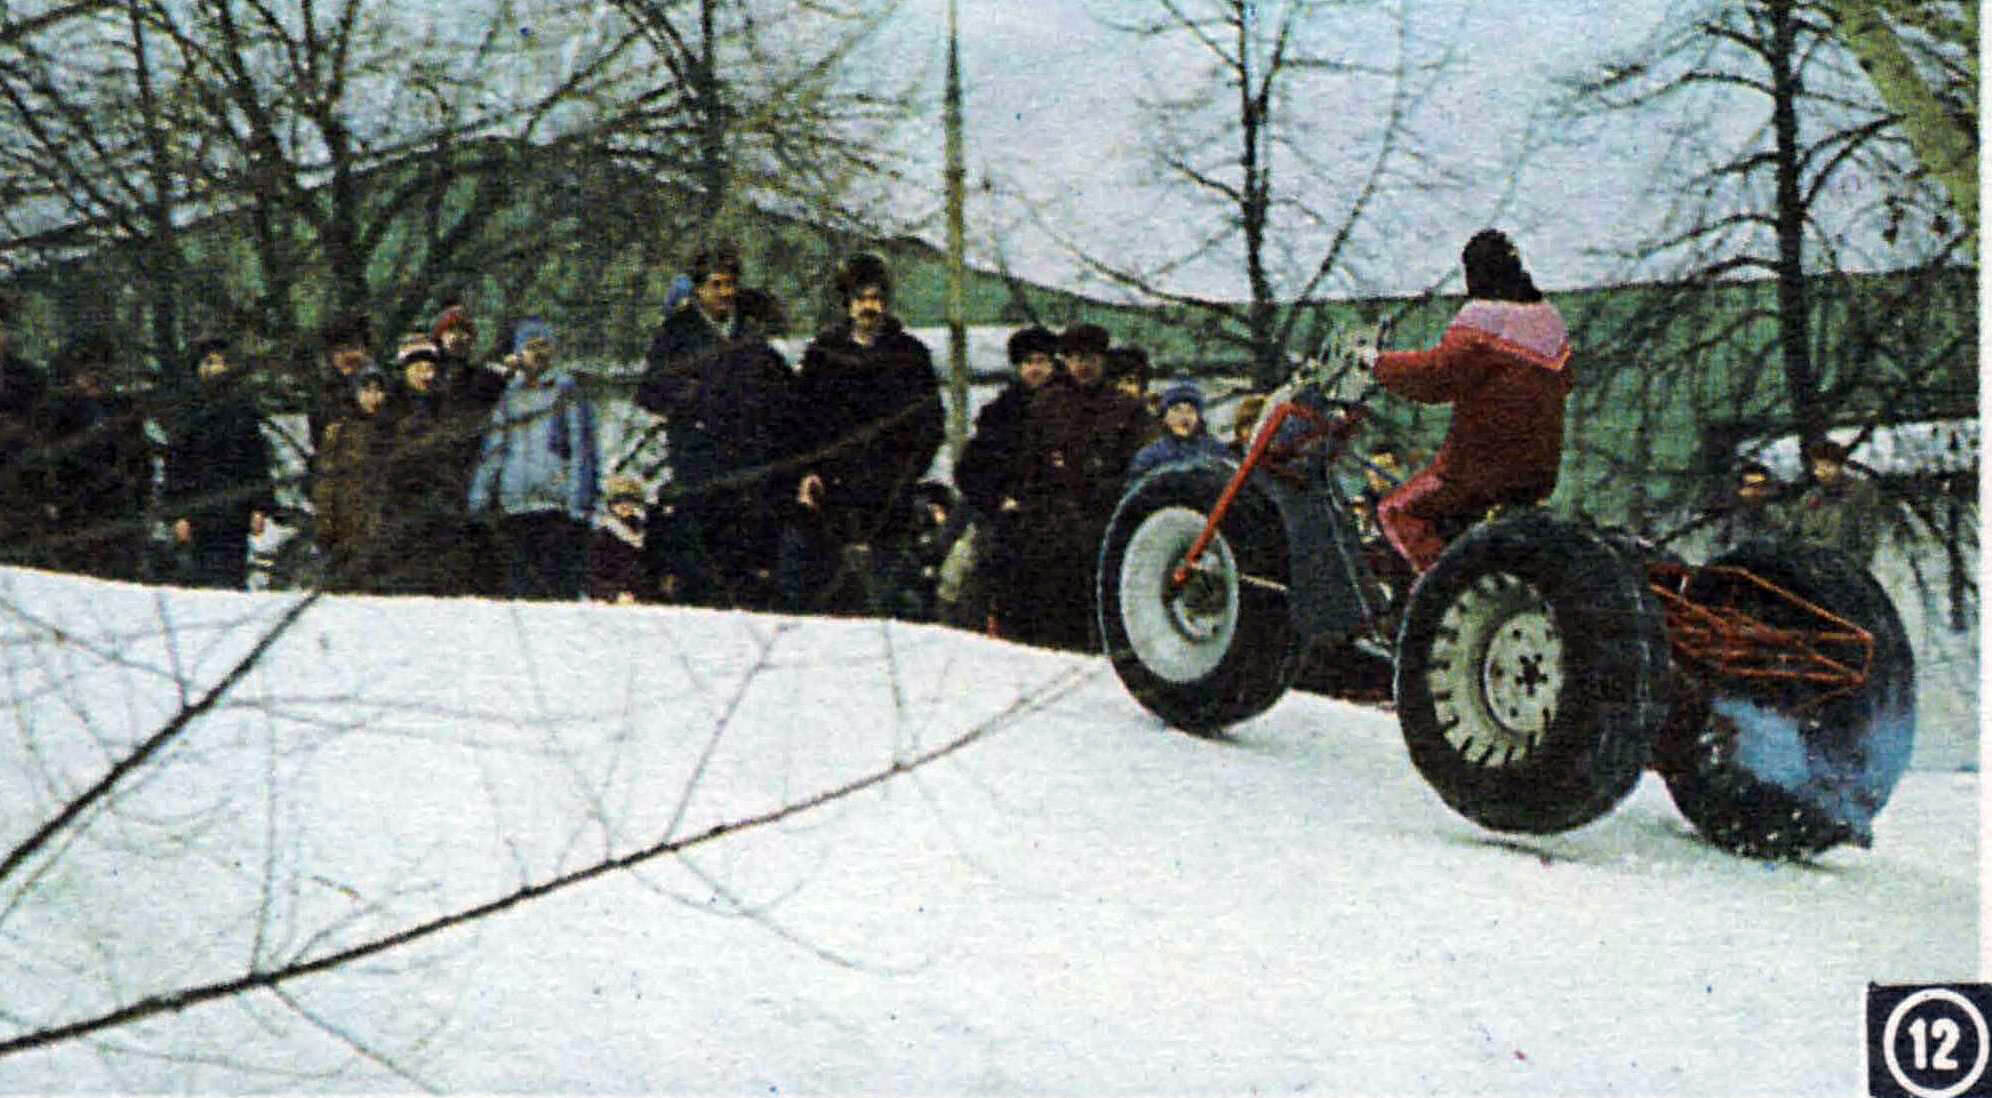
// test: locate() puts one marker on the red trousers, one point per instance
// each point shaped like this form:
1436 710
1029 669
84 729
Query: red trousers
1423 513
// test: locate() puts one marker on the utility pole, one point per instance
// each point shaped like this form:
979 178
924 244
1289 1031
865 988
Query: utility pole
957 267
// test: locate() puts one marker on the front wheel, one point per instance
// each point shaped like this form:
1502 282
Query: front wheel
1532 674
1219 647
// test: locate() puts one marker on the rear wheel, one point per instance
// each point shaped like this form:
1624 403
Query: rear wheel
1219 647
1532 674
1779 768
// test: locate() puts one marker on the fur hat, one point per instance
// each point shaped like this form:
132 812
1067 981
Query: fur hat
1494 269
455 317
1084 339
208 343
861 270
622 488
1036 339
347 330
529 329
369 375
1125 362
1183 392
1825 449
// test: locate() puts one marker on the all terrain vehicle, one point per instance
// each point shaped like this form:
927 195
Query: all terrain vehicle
1540 666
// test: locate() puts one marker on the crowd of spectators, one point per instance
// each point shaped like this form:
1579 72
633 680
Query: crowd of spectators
794 487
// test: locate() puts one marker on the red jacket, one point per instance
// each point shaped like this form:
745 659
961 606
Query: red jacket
1502 366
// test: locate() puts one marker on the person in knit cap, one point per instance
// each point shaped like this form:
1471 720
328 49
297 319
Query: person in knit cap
1503 364
867 422
1184 435
615 552
535 478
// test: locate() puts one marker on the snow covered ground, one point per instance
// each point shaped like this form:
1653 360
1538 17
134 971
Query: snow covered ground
1077 901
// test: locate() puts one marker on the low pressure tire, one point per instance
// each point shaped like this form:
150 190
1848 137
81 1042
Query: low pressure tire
1779 769
1221 647
1532 674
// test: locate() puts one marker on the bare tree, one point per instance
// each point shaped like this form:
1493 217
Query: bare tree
1278 191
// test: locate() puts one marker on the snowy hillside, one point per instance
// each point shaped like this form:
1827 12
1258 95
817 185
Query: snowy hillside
1076 901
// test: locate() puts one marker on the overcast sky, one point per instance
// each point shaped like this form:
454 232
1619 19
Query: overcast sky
1053 110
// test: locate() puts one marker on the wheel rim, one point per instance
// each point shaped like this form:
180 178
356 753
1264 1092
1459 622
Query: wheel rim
1497 671
1180 634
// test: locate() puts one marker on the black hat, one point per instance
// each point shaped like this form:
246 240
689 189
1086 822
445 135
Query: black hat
1128 362
1084 339
722 256
1825 449
1033 340
861 270
1494 269
208 343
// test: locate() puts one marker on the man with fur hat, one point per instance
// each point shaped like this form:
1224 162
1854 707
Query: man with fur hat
1503 366
1840 511
867 422
991 475
217 470
1184 436
1079 440
536 476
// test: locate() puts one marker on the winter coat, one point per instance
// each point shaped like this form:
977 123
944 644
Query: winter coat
1739 522
677 347
1502 365
218 466
868 421
993 466
1170 449
353 488
728 409
1846 516
1078 443
615 560
539 450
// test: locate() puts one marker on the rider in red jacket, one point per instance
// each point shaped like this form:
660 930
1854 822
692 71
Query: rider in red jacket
1502 365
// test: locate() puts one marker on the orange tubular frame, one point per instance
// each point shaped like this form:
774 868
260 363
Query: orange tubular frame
1726 641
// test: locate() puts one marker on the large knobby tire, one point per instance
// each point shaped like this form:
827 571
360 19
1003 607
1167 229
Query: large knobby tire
1220 648
1532 674
1779 770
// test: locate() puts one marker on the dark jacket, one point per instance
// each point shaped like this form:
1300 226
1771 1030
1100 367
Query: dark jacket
992 466
100 463
869 421
353 488
677 347
1079 442
728 408
615 561
218 466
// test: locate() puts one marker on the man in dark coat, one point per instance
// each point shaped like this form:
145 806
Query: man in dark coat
993 465
100 467
866 424
728 410
1502 366
217 471
708 320
1079 440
